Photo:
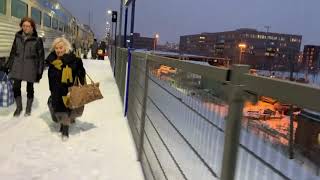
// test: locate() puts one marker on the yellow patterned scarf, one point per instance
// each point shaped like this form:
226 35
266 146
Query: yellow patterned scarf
66 76
66 71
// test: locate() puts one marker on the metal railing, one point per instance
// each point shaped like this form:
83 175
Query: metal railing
187 120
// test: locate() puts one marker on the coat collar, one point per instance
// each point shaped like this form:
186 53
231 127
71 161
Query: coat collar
33 36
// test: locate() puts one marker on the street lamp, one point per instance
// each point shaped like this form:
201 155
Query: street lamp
242 46
156 37
109 12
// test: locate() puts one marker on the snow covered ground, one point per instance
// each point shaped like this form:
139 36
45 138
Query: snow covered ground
100 146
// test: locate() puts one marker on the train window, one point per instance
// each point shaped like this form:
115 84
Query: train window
47 20
3 6
61 26
66 29
36 15
54 23
19 9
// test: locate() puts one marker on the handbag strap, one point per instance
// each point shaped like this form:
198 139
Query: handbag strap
77 80
5 77
90 78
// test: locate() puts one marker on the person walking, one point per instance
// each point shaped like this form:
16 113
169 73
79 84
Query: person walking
26 63
94 49
64 69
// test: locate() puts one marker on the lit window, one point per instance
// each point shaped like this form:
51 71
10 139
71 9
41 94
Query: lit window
202 37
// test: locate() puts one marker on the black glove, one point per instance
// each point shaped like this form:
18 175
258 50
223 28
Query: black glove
39 76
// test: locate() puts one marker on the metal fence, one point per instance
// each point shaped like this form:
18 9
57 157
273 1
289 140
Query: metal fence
187 120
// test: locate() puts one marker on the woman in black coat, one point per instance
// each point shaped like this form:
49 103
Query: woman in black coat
26 63
64 68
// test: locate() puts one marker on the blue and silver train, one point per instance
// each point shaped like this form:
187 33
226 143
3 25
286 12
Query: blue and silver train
51 18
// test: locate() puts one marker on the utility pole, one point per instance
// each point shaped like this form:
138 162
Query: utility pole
267 27
125 27
89 19
133 7
120 23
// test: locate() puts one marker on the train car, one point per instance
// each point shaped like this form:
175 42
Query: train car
51 18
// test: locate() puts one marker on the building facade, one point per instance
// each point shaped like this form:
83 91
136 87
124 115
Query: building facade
263 50
311 58
140 42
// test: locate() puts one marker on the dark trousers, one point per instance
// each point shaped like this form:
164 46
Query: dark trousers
17 89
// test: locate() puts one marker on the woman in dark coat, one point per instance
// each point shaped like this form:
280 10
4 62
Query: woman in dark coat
64 68
25 63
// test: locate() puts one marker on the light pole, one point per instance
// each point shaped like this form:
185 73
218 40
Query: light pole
108 34
125 27
109 13
242 46
155 41
133 7
120 23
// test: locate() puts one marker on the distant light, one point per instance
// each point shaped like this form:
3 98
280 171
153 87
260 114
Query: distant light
109 11
57 6
157 36
242 45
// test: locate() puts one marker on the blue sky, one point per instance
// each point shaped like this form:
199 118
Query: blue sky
172 18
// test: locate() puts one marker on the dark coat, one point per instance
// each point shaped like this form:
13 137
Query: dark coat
57 88
103 46
26 60
94 47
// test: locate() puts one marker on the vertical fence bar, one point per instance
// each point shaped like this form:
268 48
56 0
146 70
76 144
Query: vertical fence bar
127 82
114 61
144 109
233 124
118 63
123 72
291 133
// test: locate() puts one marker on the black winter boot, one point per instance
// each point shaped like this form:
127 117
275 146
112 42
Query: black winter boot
65 132
61 128
29 107
18 110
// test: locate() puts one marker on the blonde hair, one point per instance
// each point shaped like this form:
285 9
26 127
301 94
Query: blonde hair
66 43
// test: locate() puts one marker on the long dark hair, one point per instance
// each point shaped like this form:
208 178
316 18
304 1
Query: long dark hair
30 20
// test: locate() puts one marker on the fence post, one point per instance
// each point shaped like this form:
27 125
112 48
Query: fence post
123 73
144 108
233 124
291 135
118 65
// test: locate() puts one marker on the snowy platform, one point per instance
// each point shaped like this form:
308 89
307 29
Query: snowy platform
100 146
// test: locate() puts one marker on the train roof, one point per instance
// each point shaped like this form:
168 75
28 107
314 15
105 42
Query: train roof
56 9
